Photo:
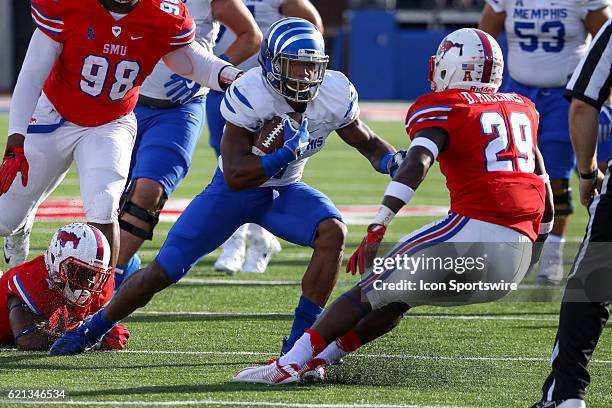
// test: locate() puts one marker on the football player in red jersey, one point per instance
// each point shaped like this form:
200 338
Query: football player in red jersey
501 202
89 58
55 291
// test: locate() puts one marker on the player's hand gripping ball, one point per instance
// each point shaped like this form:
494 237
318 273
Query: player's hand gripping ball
271 136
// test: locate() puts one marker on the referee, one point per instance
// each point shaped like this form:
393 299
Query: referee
584 310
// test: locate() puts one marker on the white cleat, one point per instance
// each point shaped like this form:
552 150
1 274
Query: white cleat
16 248
231 259
551 264
569 403
259 254
271 374
314 371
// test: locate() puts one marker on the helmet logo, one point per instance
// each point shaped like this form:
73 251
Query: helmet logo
65 237
447 45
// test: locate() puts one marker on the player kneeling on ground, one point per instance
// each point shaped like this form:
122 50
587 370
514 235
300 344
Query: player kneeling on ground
57 290
486 145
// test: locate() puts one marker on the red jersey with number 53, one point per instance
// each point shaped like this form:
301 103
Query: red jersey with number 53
490 155
104 61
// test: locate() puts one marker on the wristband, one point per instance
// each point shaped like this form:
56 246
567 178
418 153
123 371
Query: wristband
384 217
427 144
384 162
588 176
26 331
545 178
400 191
228 75
546 227
274 162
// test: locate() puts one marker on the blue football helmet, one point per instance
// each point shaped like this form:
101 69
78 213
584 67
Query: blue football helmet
294 45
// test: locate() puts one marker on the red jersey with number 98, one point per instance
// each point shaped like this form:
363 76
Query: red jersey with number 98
104 61
490 155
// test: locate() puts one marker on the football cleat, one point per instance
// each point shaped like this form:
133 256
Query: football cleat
271 374
314 371
260 253
74 342
231 259
568 403
16 248
551 265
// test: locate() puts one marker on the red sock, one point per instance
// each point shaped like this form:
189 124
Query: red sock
349 342
318 342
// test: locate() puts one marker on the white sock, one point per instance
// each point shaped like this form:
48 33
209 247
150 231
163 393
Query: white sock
300 353
332 353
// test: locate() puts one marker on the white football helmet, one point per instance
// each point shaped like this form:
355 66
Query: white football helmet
467 59
77 261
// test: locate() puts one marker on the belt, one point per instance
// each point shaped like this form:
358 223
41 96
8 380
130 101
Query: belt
160 103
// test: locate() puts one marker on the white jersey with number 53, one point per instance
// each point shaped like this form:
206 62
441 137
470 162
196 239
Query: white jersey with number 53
546 38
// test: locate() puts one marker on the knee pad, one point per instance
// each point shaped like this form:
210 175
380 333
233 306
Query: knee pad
563 202
151 217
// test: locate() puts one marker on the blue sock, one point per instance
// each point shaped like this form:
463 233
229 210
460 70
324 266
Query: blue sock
306 314
98 326
123 272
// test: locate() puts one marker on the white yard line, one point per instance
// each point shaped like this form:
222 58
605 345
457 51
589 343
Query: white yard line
209 403
358 355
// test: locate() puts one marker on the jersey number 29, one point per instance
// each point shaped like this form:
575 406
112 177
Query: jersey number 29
95 70
499 154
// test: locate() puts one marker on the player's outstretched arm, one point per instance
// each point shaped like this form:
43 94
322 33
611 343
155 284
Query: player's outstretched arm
421 155
29 329
491 22
234 15
303 9
40 58
359 135
194 62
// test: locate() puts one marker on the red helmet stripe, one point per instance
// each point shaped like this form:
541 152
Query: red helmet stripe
100 251
488 57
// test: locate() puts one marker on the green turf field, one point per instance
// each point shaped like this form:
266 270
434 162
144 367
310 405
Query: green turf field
188 342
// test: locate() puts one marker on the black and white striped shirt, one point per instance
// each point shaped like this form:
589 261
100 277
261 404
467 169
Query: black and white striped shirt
592 78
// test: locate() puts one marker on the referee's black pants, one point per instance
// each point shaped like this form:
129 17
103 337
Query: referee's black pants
585 307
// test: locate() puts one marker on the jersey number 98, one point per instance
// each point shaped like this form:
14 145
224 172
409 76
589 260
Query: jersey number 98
94 73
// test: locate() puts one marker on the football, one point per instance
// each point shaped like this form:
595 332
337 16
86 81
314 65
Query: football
270 138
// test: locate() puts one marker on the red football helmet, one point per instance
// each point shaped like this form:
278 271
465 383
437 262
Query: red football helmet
77 261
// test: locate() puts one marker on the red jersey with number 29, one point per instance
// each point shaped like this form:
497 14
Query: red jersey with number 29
489 159
104 61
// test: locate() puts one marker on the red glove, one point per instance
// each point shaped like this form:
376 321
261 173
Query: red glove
14 161
363 256
116 338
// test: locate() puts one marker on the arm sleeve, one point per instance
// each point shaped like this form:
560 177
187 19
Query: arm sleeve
591 80
195 63
497 5
238 110
47 15
39 60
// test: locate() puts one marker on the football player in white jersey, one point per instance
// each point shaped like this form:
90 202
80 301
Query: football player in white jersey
263 189
171 115
262 245
546 39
